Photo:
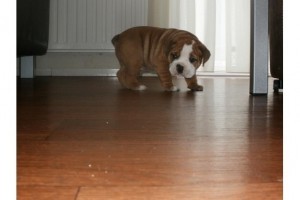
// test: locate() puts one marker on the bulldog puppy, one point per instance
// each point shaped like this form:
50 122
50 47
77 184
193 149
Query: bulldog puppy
169 52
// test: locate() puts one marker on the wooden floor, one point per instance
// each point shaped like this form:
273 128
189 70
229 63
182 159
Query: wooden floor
82 138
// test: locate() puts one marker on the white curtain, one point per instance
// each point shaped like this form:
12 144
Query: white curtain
222 25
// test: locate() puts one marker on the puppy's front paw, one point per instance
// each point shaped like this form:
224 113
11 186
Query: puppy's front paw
172 89
196 88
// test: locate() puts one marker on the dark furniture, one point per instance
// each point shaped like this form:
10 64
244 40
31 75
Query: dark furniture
32 30
276 42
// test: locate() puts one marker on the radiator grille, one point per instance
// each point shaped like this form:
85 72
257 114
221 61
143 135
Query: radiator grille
89 25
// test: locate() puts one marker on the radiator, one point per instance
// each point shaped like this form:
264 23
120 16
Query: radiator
89 25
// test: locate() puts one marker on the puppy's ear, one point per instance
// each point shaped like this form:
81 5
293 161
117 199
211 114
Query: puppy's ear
205 53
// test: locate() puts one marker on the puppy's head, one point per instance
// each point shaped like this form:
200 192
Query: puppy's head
185 57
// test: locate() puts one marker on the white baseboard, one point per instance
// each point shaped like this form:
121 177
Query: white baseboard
76 72
113 72
81 72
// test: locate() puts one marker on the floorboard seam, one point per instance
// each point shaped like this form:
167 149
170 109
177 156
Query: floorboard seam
77 193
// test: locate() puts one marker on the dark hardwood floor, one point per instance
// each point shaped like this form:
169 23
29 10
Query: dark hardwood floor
82 138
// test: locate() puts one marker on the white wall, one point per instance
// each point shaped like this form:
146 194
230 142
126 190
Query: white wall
64 62
158 13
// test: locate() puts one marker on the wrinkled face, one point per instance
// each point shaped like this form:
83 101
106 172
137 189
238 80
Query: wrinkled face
185 59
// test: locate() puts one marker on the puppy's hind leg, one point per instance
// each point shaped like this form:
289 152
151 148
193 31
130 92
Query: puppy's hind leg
128 77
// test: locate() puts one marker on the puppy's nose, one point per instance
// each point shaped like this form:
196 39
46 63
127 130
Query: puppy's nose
179 68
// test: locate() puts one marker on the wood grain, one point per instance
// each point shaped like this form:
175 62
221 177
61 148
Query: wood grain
88 138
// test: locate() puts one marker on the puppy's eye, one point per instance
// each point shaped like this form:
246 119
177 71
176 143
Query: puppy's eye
192 59
174 56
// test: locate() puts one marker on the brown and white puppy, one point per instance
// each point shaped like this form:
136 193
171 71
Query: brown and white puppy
169 52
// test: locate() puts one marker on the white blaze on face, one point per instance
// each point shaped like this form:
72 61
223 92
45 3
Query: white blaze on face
184 61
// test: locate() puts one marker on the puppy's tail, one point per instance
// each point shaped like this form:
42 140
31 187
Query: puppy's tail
115 40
